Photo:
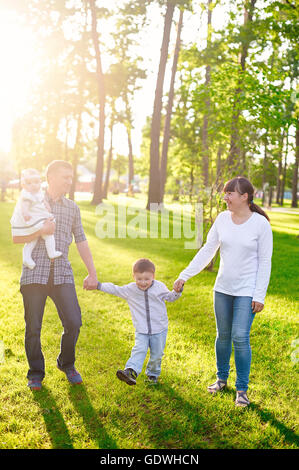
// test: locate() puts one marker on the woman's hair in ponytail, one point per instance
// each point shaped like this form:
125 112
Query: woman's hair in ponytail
242 185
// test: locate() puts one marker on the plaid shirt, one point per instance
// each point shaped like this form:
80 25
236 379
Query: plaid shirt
68 223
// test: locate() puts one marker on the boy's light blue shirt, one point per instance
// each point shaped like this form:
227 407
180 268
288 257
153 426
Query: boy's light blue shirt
148 309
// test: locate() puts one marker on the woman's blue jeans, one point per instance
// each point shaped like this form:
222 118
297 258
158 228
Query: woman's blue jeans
234 318
156 344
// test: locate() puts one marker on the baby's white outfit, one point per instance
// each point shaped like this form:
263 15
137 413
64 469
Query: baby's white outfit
20 227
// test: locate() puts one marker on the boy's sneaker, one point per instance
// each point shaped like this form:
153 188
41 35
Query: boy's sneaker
151 379
127 375
35 383
72 375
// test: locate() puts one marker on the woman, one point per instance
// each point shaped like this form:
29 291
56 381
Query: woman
244 235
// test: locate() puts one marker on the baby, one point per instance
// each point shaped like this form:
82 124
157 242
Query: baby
29 215
146 298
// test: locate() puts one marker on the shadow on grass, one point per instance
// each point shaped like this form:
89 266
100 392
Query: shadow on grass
80 399
56 427
55 424
267 417
180 423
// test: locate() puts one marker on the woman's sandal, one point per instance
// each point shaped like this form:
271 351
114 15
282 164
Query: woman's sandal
242 399
218 386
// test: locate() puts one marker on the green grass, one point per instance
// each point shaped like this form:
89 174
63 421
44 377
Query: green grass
178 412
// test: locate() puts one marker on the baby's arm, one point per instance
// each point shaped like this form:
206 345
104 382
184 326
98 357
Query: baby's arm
110 288
47 206
25 208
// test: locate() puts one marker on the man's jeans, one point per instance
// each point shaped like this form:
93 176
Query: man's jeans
156 344
65 298
234 318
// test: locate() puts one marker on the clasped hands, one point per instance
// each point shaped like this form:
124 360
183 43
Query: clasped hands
90 282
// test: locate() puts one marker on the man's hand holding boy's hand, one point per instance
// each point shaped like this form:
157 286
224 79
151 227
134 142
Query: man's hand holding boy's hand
178 285
90 282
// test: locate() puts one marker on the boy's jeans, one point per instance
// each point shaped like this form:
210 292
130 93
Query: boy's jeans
156 344
234 318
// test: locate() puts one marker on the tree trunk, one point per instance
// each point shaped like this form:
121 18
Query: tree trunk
284 169
270 196
78 134
128 125
295 172
131 159
191 184
154 190
234 152
108 167
219 162
76 157
265 166
205 127
166 135
279 170
97 195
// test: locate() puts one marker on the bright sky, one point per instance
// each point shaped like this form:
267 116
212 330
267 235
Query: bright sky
18 69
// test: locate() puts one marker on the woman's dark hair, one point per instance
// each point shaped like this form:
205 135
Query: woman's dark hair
242 185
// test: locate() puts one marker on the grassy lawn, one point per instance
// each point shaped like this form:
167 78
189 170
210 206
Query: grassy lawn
177 413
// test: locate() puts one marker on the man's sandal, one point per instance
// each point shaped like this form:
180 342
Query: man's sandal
218 386
242 399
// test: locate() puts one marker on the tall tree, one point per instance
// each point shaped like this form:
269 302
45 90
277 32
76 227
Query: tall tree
166 134
205 127
154 190
80 59
98 185
246 38
295 171
130 20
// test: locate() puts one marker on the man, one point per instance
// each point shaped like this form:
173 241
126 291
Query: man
54 278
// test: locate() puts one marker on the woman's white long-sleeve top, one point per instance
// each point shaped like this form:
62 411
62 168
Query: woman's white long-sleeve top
245 256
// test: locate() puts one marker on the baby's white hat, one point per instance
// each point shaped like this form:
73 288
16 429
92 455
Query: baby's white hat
28 173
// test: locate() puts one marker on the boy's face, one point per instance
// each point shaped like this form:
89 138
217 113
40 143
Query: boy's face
144 280
32 184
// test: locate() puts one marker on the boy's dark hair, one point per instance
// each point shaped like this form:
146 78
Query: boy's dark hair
142 265
56 165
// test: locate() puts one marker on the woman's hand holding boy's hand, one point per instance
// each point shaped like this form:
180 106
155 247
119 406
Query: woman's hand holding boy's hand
178 285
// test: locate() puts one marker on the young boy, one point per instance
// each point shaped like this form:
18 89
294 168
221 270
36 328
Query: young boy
146 299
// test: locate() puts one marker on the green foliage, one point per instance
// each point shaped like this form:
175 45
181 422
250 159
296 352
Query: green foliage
240 82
